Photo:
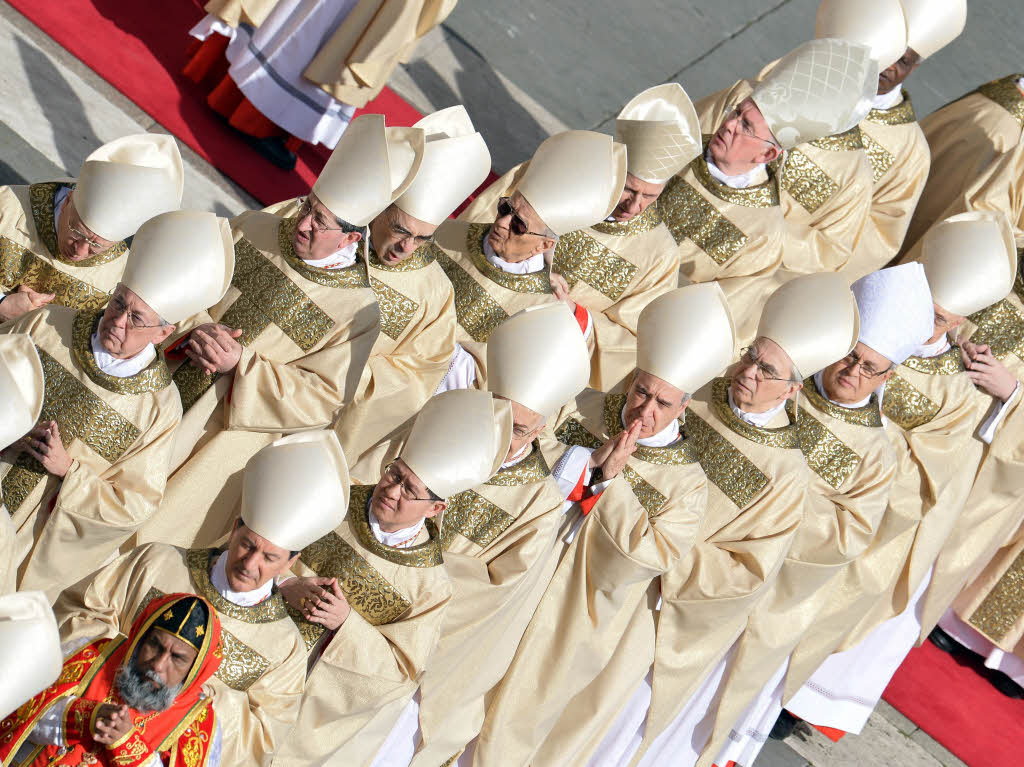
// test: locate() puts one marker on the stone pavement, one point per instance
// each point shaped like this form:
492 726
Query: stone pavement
524 69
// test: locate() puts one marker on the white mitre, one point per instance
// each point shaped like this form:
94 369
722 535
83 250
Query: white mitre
686 337
822 88
455 162
878 24
970 261
128 181
814 319
933 24
295 490
30 656
369 169
181 263
575 179
22 387
897 315
538 358
661 132
459 440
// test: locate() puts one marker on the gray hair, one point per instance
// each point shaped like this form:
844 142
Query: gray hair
135 689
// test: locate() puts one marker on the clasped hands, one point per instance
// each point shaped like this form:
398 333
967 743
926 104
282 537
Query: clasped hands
611 457
112 723
318 599
214 348
986 372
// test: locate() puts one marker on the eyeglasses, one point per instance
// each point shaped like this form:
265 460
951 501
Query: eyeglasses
853 360
407 493
404 234
516 224
743 126
94 246
133 320
317 223
763 372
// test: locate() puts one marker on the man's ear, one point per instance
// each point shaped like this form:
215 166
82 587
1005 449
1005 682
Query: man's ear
771 154
546 244
163 334
436 508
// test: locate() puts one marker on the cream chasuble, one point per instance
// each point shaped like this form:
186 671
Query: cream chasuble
306 335
599 603
898 152
118 432
967 138
853 468
8 552
29 254
363 674
258 687
734 237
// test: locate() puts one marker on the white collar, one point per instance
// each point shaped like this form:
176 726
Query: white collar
338 260
399 539
663 438
821 390
219 579
888 100
760 420
58 204
534 263
754 176
521 455
119 368
933 349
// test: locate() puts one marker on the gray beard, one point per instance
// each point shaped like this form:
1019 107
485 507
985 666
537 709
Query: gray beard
134 688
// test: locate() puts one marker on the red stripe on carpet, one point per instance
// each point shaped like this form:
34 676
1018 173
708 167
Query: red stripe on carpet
950 699
831 733
140 49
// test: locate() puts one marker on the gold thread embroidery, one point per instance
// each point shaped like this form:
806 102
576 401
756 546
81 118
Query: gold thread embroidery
688 215
785 437
579 257
881 159
639 224
200 564
421 257
901 114
905 405
534 282
1001 326
20 266
241 666
154 377
1006 94
396 309
422 555
946 364
847 141
476 311
1003 606
1018 284
531 469
764 195
805 182
474 517
866 415
41 198
827 455
725 465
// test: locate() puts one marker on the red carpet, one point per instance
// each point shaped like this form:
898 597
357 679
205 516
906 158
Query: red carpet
139 47
949 698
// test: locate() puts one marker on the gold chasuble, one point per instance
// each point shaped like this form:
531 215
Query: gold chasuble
969 139
363 674
756 496
852 470
734 237
595 619
29 254
306 335
898 152
258 687
118 432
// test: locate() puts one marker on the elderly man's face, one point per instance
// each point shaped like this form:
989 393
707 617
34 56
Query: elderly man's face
856 375
128 325
395 235
894 76
400 499
654 402
526 425
518 232
75 240
945 322
743 140
165 655
637 196
253 560
317 233
763 378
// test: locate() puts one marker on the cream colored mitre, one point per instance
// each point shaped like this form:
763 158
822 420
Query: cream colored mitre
819 89
295 490
686 337
369 169
970 261
22 387
661 132
896 313
128 181
538 358
575 179
459 440
814 319
455 162
30 655
181 263
878 24
933 24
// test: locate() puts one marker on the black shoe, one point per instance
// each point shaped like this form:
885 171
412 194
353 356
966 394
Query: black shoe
274 150
784 726
944 641
1005 685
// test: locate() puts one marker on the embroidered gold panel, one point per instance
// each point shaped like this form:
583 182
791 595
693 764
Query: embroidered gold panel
732 472
827 455
1001 326
949 363
764 195
881 159
477 312
639 224
81 414
866 415
579 257
531 469
20 266
905 405
396 309
901 114
474 517
1006 94
847 141
689 215
1004 605
806 182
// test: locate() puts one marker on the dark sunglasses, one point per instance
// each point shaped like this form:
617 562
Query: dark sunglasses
516 225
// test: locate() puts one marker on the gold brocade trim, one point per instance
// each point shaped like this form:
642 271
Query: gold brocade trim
847 141
474 517
1006 94
827 455
1001 327
881 159
901 114
200 565
639 224
41 198
1003 606
905 405
241 666
946 364
867 415
764 195
476 311
579 257
535 282
154 377
396 309
785 437
726 467
1018 284
422 555
805 182
80 414
678 453
20 266
421 257
531 469
689 215
348 278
